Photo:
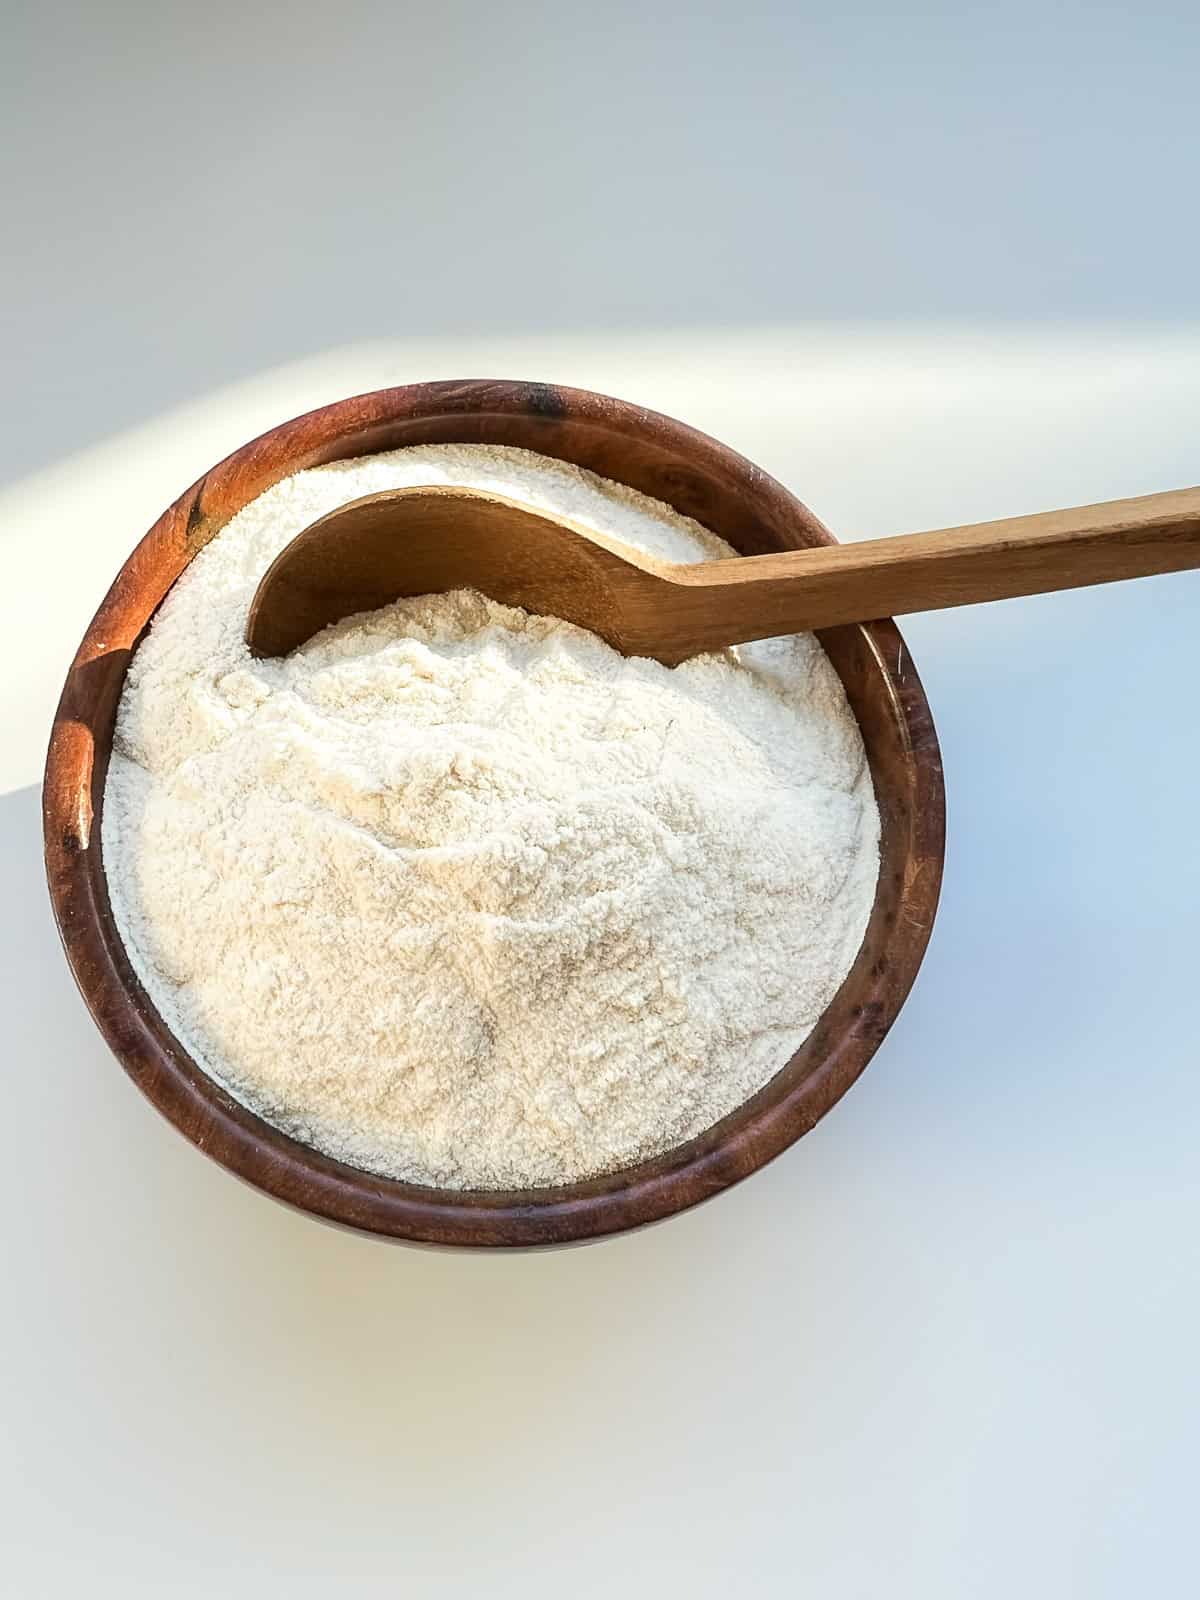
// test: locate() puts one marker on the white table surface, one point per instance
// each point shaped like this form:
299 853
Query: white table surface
943 1347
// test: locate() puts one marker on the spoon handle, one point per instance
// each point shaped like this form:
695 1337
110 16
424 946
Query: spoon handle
765 595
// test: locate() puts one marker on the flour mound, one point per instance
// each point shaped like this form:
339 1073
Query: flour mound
460 895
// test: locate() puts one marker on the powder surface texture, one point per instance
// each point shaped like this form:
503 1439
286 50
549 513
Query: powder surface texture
460 895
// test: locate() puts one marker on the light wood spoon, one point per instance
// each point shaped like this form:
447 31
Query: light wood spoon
428 540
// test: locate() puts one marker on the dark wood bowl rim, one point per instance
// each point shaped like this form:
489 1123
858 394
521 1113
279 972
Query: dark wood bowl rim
787 1107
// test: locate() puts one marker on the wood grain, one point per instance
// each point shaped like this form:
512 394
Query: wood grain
702 479
413 541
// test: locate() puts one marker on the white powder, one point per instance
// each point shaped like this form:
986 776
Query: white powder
459 894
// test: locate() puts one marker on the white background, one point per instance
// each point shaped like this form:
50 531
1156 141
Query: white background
943 1347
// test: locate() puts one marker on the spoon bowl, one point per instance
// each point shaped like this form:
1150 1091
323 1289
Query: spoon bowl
431 539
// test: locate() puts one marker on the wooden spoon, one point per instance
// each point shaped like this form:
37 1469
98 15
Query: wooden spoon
427 540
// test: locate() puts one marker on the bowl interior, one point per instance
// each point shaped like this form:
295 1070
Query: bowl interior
700 478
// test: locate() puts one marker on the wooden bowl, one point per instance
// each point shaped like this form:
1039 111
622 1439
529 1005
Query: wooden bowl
700 478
